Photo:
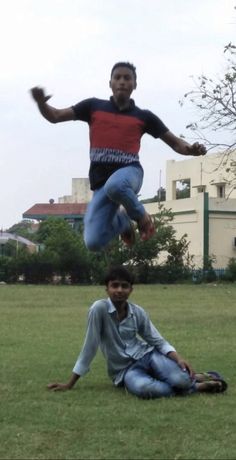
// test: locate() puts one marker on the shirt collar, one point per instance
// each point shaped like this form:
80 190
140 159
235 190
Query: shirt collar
131 105
112 308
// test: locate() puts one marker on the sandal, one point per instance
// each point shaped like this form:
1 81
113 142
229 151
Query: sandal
128 237
212 386
213 376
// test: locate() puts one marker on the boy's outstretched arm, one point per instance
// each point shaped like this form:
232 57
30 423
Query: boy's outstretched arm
47 111
55 386
183 147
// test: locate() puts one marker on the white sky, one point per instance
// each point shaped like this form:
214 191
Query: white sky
68 47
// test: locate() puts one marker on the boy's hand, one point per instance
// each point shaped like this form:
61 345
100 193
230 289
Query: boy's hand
185 366
197 149
38 95
58 386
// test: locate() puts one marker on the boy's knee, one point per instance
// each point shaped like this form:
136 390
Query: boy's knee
112 190
139 389
181 380
93 244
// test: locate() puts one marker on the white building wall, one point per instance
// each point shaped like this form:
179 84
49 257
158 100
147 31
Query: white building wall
220 225
188 219
210 172
81 192
207 172
222 230
65 199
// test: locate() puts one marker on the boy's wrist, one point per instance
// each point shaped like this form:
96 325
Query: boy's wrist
72 380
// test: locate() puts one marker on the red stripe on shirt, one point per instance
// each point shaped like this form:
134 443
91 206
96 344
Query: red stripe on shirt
116 131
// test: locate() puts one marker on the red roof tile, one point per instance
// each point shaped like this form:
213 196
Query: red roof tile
56 209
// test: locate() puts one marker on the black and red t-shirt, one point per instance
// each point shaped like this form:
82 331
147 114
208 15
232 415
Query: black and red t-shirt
115 135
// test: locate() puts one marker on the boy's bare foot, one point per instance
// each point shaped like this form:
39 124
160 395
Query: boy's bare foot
146 227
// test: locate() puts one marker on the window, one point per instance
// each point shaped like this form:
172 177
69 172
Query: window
221 191
183 189
201 189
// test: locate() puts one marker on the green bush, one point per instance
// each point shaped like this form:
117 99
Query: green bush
8 270
230 273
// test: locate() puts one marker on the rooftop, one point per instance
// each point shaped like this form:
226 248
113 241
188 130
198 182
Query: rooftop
43 210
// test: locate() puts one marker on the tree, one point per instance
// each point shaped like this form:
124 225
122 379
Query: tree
8 269
215 100
63 252
24 229
36 268
144 257
67 247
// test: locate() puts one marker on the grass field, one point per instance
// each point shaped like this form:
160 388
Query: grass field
41 331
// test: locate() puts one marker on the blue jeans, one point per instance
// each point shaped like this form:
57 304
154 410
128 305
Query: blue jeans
104 219
155 376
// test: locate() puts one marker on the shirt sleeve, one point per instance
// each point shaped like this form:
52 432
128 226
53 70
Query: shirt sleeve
155 126
83 109
151 335
91 341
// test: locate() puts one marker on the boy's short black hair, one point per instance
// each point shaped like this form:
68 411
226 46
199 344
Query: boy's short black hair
119 273
125 64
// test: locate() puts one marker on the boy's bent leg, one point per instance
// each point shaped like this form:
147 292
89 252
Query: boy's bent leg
122 188
167 370
139 383
102 221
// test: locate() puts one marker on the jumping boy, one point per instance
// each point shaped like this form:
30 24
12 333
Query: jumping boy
138 357
116 175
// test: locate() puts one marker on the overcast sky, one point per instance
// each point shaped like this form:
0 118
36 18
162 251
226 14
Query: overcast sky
68 47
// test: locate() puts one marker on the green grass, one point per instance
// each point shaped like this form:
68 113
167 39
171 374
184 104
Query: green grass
41 332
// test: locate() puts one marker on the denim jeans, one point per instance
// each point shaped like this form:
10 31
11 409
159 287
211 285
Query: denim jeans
155 376
104 219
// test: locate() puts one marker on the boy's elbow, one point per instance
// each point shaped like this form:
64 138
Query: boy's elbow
53 120
55 116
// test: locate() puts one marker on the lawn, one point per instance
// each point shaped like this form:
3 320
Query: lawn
41 332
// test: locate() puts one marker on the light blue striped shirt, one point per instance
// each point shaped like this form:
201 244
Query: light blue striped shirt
122 343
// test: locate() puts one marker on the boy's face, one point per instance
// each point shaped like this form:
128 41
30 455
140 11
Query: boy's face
119 290
122 83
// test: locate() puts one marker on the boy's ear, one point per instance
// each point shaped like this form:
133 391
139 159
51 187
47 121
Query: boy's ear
109 83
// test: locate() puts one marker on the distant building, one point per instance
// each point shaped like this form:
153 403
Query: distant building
213 173
73 213
5 237
208 215
81 192
71 208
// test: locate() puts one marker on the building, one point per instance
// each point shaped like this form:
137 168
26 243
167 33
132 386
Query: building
70 207
81 192
208 214
213 173
73 213
5 237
